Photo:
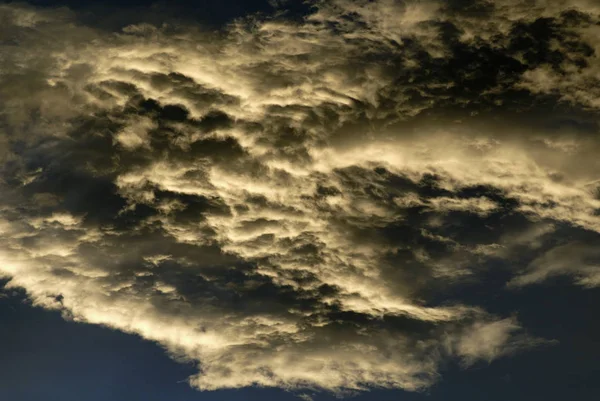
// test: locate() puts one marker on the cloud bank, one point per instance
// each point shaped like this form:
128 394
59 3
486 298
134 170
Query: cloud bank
289 202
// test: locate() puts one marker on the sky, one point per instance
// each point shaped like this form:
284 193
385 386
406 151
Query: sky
284 200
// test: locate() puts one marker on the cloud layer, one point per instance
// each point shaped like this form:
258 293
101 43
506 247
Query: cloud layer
289 202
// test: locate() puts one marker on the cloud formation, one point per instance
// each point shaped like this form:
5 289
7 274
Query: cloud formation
288 202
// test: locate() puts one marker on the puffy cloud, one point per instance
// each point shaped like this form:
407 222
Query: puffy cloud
289 201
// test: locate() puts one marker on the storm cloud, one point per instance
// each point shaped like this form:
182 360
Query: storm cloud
290 202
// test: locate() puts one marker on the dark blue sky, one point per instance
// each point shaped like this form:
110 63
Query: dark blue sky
115 14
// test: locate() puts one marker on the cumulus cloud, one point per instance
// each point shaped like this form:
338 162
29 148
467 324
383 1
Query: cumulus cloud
288 201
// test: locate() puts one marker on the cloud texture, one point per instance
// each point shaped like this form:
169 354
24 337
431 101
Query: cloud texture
290 202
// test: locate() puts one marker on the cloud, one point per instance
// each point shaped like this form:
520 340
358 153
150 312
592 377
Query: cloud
288 201
577 259
489 340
